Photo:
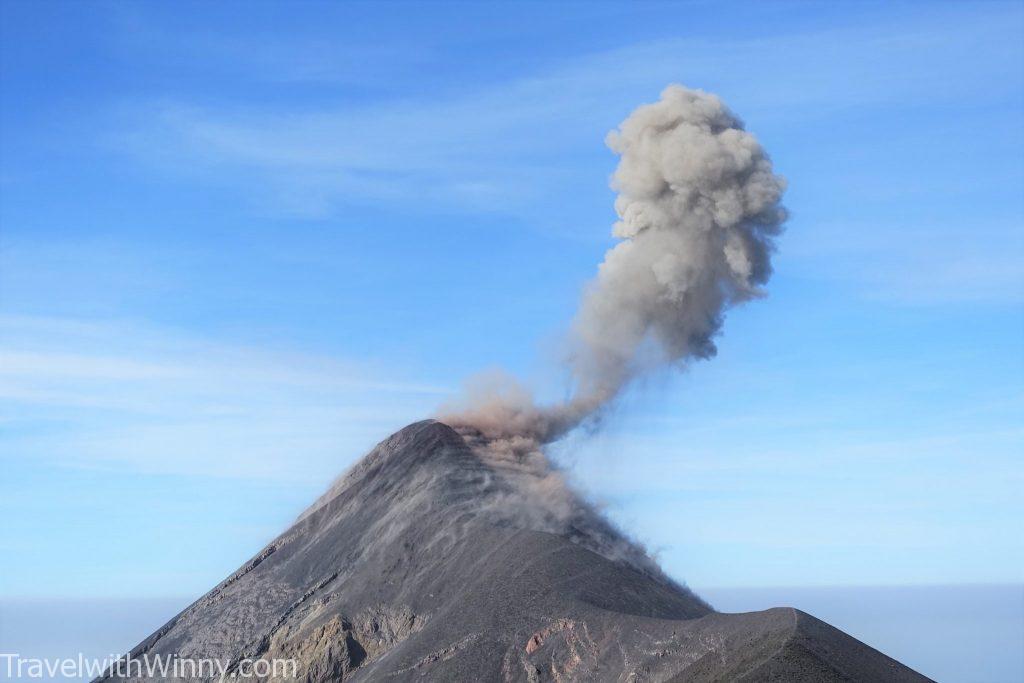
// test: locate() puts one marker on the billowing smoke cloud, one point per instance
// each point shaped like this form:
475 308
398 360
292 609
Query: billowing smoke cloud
698 206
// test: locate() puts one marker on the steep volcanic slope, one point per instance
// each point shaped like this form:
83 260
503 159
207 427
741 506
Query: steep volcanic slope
417 565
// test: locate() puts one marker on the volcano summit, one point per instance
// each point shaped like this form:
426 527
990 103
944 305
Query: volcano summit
432 559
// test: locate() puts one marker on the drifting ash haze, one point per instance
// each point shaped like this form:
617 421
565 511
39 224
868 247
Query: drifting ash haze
698 208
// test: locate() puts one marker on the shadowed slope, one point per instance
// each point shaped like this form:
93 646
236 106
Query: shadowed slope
420 562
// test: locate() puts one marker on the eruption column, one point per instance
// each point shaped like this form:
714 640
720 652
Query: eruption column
699 207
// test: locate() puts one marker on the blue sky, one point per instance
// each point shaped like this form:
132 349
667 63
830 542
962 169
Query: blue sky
241 243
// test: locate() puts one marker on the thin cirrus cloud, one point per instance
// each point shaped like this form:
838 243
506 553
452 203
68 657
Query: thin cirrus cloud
930 263
532 146
115 395
499 145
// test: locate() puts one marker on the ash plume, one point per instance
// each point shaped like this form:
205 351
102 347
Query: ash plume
698 206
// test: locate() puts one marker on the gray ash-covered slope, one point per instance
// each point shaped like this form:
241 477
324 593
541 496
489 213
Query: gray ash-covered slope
417 565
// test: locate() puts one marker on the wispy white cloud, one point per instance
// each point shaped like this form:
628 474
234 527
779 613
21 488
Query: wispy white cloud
67 366
531 145
818 502
103 395
508 145
929 262
305 57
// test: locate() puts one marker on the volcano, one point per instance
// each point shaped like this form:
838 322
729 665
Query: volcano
427 561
